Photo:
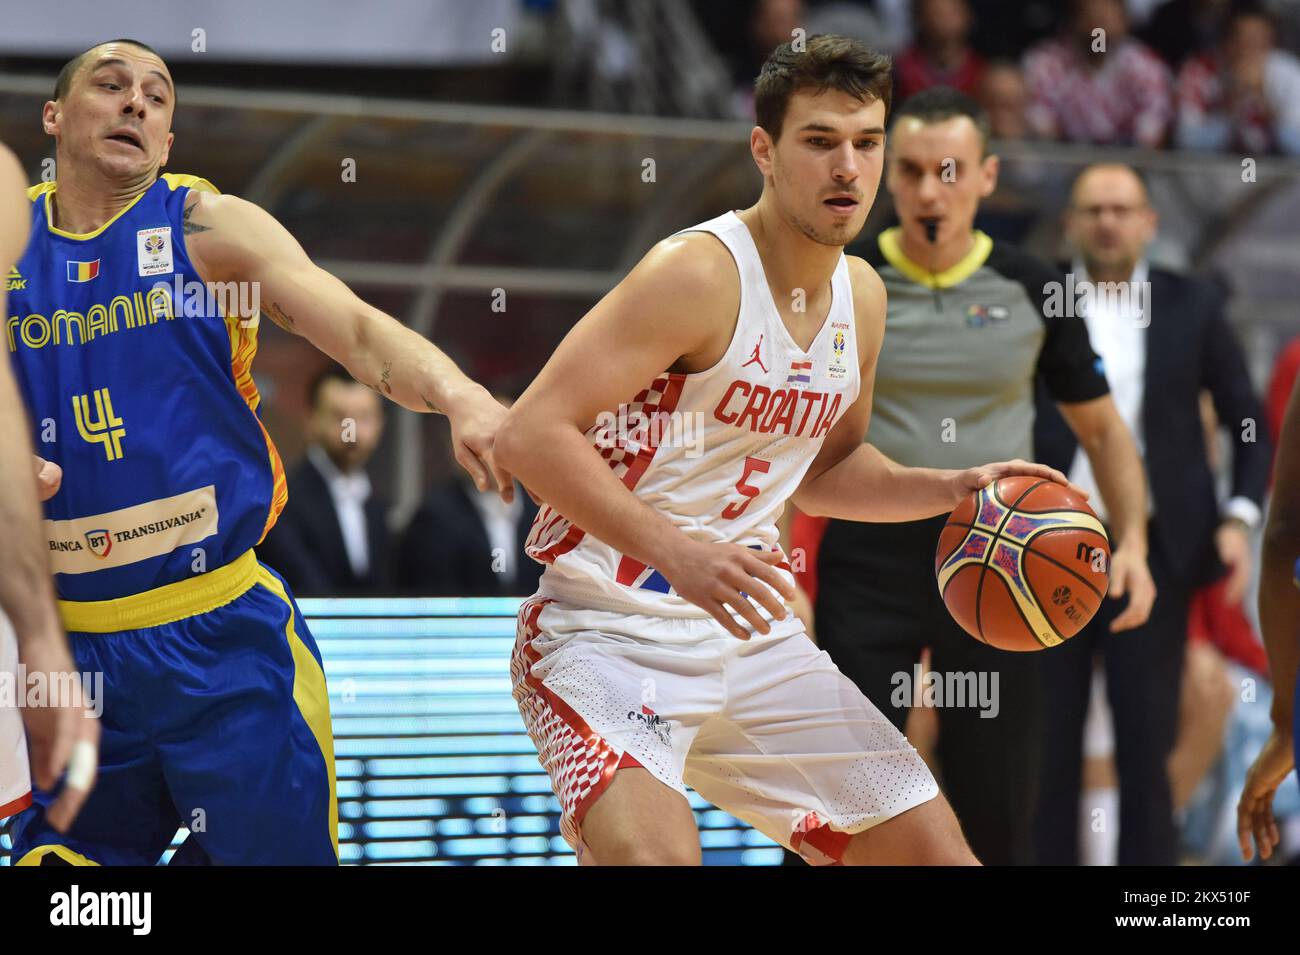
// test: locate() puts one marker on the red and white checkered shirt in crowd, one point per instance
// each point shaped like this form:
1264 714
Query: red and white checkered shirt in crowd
1210 118
1123 98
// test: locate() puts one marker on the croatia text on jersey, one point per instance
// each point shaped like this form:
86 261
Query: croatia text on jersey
138 380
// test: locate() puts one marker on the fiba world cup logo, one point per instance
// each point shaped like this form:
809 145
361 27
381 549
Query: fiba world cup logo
839 345
154 245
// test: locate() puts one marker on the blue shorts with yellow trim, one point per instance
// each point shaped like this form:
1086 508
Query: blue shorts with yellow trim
215 717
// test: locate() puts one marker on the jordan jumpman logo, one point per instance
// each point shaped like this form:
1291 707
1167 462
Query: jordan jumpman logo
756 357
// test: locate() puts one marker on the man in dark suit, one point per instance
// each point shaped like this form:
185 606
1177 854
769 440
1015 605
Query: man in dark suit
1164 339
332 537
464 543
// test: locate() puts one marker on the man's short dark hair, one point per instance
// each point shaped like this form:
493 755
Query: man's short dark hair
331 372
826 62
940 103
70 68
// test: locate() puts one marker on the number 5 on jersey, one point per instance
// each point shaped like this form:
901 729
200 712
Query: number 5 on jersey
752 464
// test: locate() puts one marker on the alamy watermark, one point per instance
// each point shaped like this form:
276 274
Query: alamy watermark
41 688
193 299
1073 299
955 689
633 430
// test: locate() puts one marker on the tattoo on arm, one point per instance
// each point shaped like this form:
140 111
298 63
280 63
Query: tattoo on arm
383 381
190 226
430 405
278 315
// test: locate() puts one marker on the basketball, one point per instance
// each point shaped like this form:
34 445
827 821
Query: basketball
1023 563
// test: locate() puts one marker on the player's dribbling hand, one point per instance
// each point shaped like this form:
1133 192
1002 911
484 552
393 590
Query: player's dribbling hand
716 577
63 735
476 418
1255 808
49 477
972 479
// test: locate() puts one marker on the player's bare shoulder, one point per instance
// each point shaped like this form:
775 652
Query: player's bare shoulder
688 283
198 207
693 264
869 304
231 238
199 218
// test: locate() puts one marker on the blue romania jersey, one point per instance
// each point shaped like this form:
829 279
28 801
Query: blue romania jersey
140 387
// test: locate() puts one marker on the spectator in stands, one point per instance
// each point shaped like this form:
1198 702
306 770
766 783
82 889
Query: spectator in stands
1140 11
883 25
463 542
1096 84
1243 96
1003 95
1004 29
1164 338
941 55
770 23
1183 28
1026 183
332 537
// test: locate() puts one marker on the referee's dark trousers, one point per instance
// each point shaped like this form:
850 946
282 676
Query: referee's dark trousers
1144 668
877 607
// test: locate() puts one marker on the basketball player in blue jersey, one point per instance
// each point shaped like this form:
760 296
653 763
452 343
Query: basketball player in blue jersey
1279 622
60 734
215 712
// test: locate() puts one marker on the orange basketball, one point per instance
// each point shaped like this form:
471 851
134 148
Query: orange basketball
1023 563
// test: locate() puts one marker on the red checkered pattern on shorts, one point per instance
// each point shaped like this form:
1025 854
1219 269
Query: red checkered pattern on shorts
552 534
579 762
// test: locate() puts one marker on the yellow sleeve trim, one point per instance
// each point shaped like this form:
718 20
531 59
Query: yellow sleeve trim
178 180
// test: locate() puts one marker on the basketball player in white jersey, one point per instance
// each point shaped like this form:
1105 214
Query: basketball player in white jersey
753 340
61 735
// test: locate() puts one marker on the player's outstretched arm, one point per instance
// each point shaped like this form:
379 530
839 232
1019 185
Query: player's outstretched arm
58 734
854 481
1279 621
1111 450
232 240
681 300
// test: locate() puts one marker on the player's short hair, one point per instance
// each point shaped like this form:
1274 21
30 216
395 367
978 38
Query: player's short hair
64 80
940 103
826 62
331 372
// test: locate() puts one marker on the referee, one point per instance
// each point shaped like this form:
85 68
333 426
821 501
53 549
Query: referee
967 332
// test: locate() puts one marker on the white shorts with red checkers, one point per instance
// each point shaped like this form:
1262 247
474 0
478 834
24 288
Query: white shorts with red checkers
766 729
15 783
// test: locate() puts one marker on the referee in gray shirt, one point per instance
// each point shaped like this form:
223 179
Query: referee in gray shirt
967 332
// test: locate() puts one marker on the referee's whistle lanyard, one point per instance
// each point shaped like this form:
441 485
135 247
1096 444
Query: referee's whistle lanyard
932 235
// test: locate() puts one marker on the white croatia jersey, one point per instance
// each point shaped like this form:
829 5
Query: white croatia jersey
718 452
15 783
